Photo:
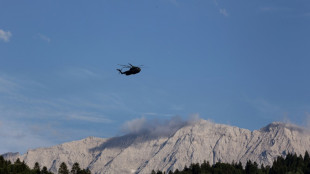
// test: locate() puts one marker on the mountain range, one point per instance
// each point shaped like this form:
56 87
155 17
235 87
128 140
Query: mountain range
193 142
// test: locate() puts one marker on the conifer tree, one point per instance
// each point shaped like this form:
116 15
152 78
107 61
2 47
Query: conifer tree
251 167
307 158
306 168
85 171
177 171
205 166
45 171
75 168
63 169
36 168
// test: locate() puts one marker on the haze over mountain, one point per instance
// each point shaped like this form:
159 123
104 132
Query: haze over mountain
171 146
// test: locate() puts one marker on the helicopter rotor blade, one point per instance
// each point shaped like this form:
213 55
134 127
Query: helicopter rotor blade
124 66
130 66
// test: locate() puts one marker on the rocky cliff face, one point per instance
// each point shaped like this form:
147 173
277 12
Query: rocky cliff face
196 142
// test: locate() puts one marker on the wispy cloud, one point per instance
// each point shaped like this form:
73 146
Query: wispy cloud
307 120
157 114
267 9
274 9
265 107
290 11
174 2
5 35
215 2
303 123
22 112
78 73
176 107
17 137
44 37
307 14
8 85
90 117
223 12
12 85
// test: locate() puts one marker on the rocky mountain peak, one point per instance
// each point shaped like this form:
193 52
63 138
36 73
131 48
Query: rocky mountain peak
169 148
276 126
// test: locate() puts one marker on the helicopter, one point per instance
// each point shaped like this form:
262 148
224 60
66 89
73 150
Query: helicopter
132 69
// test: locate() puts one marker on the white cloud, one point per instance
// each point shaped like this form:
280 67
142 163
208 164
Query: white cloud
134 126
305 121
5 35
223 12
193 118
156 127
44 37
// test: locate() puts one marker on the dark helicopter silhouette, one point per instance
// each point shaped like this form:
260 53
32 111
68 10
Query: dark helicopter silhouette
132 69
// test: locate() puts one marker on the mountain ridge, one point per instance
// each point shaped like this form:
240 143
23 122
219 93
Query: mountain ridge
191 143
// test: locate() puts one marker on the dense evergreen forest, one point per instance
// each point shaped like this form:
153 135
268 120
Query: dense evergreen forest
291 164
18 167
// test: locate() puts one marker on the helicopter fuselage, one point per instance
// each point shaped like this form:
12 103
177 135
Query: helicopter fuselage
132 70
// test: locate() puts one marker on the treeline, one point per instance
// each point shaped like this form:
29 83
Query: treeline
18 167
291 164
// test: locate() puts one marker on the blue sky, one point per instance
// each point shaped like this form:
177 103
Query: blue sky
243 63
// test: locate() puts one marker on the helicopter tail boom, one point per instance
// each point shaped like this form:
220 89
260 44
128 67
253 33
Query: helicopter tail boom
120 71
